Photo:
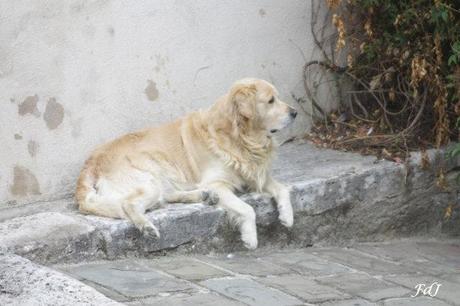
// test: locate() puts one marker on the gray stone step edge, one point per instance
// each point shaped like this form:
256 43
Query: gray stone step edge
52 237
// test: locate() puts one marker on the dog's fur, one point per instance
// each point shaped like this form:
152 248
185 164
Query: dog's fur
206 155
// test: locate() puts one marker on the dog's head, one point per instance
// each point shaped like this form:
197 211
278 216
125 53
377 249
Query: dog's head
255 102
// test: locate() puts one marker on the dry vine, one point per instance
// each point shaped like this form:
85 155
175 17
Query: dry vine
394 66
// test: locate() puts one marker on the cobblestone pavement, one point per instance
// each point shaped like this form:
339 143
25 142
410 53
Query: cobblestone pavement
366 274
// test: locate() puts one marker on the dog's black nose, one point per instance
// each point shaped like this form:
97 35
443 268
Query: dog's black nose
293 113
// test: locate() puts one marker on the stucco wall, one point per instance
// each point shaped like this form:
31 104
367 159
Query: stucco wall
74 74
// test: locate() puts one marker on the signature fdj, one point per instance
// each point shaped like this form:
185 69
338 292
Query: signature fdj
430 290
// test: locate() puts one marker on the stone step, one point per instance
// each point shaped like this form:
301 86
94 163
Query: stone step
337 197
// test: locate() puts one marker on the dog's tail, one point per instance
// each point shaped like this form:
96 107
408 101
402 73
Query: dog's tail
87 194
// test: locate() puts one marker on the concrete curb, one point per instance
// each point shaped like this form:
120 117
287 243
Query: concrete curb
349 198
52 237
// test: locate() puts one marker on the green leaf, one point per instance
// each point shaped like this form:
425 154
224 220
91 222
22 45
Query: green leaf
456 151
456 47
444 15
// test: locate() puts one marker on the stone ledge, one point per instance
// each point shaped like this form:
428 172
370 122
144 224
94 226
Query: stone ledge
49 236
337 197
56 237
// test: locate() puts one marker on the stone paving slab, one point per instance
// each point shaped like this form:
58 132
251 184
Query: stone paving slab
130 278
244 264
351 302
202 299
363 262
276 277
451 276
304 262
419 301
250 292
418 254
24 283
304 288
448 291
448 255
365 286
186 268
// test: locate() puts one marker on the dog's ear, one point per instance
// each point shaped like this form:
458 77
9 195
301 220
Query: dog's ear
242 98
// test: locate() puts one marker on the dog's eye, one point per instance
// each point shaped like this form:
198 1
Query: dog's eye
272 100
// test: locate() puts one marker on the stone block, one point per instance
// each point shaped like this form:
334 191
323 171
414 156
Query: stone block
417 301
28 284
202 299
362 262
185 268
130 278
304 262
422 257
362 285
304 288
246 265
177 223
250 292
448 291
50 237
351 302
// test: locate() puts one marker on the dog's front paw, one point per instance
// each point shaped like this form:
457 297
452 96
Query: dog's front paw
210 197
150 231
286 219
250 241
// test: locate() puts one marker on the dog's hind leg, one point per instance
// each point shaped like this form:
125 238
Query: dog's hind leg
135 205
193 196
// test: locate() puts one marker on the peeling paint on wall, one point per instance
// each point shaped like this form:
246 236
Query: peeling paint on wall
262 12
54 114
32 147
29 106
17 136
161 62
24 182
151 90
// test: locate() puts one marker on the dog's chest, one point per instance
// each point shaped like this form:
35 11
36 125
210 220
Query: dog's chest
255 175
240 178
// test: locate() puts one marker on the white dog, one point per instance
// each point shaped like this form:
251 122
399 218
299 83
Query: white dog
206 155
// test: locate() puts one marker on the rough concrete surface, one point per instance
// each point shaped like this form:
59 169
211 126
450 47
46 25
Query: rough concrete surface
47 236
220 279
337 197
23 283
